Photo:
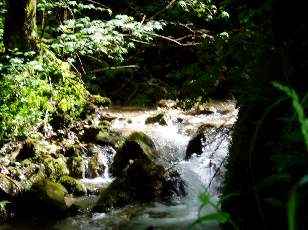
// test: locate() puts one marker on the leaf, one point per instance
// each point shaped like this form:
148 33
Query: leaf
220 217
204 198
273 202
303 180
3 204
292 210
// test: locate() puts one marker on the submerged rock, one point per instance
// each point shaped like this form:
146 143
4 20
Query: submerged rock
136 146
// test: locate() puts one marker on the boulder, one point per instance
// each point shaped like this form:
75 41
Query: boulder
49 194
96 165
76 166
142 181
136 146
195 144
73 186
8 186
167 103
157 118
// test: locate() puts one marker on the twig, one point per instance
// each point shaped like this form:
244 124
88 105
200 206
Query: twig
167 38
139 41
98 3
143 19
113 68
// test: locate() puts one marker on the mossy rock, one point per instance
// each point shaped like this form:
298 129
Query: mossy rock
157 118
29 149
118 194
100 101
96 165
55 168
73 186
8 186
90 133
76 166
142 181
50 193
136 146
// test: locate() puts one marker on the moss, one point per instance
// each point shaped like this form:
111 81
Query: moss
100 101
117 194
55 168
158 118
136 146
76 166
73 186
50 192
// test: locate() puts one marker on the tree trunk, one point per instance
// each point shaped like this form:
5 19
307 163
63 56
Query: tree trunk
20 25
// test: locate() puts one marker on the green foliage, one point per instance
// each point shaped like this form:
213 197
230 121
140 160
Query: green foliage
218 215
3 203
33 88
111 38
298 108
2 15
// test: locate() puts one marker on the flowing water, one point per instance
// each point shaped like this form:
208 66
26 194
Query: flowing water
200 173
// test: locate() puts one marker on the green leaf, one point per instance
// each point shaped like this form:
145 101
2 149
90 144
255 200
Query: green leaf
3 204
220 217
292 210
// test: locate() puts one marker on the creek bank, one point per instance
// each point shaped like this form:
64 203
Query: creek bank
146 173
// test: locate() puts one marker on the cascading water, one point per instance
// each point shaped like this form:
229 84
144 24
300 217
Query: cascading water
201 173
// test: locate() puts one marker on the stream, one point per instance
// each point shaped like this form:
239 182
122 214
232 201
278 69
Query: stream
202 173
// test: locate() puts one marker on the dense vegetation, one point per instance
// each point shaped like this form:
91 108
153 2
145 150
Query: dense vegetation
56 55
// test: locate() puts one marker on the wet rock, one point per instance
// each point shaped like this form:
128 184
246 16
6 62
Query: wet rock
141 182
195 144
167 103
48 194
158 118
76 166
136 146
73 186
55 168
96 165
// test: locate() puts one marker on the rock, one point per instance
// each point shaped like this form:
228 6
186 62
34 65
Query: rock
136 146
100 101
153 181
8 186
167 103
76 166
141 182
96 165
55 168
27 151
195 144
73 186
158 118
50 193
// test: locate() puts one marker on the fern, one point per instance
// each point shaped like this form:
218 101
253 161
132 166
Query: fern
298 107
